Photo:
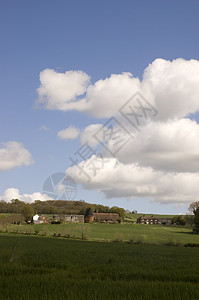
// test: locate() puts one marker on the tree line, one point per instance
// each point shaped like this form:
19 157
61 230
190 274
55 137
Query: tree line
56 207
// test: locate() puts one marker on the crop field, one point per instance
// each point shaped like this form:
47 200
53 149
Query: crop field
108 232
45 268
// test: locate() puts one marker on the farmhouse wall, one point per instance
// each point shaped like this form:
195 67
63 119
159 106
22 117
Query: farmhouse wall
74 218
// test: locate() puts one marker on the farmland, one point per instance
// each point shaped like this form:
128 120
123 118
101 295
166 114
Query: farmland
108 232
98 261
45 268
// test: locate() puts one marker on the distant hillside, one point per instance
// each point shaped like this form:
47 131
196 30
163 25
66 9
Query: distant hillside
57 207
66 207
69 207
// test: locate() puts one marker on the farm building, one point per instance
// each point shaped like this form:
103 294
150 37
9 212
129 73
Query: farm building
147 220
74 218
88 217
36 219
57 218
106 217
100 217
43 219
153 220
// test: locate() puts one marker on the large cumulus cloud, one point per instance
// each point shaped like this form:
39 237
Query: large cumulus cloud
117 180
171 86
161 160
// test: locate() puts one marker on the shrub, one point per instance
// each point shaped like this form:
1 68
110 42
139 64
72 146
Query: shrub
84 233
36 231
191 245
118 238
139 239
172 243
67 235
179 220
131 239
196 229
55 222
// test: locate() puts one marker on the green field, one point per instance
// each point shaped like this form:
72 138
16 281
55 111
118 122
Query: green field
47 268
135 216
157 234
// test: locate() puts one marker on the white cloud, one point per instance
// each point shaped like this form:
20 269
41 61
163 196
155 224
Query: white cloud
117 180
161 162
13 154
105 97
13 193
87 135
171 146
68 133
60 90
172 87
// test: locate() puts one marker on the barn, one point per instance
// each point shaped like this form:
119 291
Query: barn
91 217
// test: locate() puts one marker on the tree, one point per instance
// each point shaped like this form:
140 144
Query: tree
16 206
181 220
193 206
178 220
189 219
193 214
196 220
27 212
118 210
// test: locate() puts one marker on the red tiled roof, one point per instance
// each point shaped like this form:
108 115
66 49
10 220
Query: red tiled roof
106 216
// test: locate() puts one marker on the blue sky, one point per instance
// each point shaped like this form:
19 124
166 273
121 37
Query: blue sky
99 38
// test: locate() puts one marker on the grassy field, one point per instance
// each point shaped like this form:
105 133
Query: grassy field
157 234
46 268
134 217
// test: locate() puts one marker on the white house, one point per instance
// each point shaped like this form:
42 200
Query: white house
35 218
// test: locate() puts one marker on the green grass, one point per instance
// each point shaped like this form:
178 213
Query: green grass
157 234
134 217
4 215
46 268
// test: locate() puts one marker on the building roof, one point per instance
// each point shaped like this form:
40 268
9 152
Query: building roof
89 212
43 216
106 216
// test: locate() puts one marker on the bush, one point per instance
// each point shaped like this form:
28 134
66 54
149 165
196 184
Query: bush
55 222
191 245
84 233
139 240
36 231
179 220
131 239
196 229
172 243
118 238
